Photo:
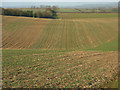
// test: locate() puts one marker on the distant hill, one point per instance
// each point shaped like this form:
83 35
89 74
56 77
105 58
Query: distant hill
96 5
61 4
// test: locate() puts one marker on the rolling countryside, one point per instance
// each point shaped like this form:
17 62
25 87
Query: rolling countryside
77 50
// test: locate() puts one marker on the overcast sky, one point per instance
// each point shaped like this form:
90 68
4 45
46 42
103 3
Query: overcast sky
60 0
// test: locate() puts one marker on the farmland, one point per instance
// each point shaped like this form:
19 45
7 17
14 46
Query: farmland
79 10
78 50
86 15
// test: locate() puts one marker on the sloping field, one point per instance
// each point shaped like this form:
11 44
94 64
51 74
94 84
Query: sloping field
43 68
61 34
86 15
77 34
60 53
19 33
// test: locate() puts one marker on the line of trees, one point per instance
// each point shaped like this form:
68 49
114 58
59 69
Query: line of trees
16 12
48 13
98 10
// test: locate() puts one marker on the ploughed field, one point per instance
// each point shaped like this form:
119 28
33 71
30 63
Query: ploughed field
66 52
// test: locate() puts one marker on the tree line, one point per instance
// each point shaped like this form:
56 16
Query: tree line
47 13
